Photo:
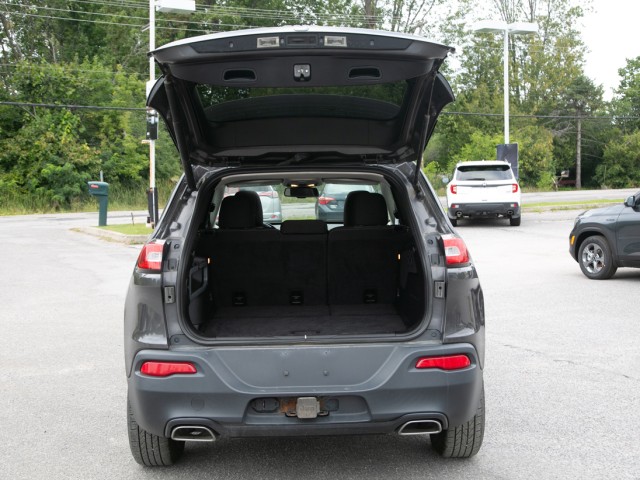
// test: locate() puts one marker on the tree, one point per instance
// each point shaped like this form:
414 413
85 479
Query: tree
581 98
627 99
621 166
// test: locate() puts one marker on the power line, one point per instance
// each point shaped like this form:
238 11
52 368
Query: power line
72 107
66 69
556 117
476 114
130 25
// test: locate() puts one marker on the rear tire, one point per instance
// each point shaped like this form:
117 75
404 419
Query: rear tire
463 441
515 221
454 222
151 450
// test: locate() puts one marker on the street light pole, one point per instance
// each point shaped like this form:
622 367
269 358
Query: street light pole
505 63
153 201
491 26
169 6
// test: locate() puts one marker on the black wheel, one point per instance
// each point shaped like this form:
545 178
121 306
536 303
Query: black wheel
595 258
151 450
454 222
515 221
463 441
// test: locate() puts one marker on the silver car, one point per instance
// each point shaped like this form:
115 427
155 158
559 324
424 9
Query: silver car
269 198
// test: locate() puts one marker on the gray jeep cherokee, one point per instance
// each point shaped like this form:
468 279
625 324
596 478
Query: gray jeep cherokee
237 328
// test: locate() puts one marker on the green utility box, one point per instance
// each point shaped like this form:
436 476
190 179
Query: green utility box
100 190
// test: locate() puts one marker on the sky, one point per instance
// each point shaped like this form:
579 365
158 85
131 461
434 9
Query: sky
612 34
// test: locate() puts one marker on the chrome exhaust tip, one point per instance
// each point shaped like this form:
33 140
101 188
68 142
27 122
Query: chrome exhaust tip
193 433
420 427
459 214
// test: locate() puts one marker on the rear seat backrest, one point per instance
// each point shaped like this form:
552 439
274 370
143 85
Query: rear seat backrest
364 264
304 253
246 258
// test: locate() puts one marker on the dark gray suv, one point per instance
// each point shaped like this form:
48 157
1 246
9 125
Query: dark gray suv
237 328
603 239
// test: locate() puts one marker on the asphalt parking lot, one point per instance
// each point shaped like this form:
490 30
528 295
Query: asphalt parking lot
562 373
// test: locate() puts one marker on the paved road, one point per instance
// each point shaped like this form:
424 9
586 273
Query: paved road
562 369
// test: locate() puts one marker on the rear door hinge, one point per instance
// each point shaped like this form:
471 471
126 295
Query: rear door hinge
439 289
169 294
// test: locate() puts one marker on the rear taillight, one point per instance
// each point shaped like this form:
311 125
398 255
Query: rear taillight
453 188
270 194
325 200
150 257
514 188
164 369
449 362
455 250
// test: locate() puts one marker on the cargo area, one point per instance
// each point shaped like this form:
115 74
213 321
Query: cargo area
304 277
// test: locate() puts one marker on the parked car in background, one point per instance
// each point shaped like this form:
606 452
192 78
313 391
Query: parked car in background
269 198
235 329
603 239
330 203
485 188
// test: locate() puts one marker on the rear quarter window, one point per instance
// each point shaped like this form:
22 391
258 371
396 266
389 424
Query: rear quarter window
484 172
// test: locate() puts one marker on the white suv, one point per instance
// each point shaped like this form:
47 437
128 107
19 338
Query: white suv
483 189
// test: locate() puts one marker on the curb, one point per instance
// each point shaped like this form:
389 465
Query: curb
111 236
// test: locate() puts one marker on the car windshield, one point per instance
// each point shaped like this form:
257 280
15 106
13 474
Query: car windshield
484 172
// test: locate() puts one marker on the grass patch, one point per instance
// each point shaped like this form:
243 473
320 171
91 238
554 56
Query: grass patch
129 229
132 197
573 202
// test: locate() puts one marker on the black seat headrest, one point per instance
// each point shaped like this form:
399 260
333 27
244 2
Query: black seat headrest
303 227
365 209
242 210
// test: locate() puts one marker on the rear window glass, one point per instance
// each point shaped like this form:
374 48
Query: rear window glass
378 102
276 207
484 172
334 188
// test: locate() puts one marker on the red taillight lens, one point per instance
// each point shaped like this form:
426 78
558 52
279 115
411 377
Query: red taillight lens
455 250
270 194
452 362
325 200
453 188
150 257
514 188
164 369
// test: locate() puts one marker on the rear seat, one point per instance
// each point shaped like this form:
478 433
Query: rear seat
246 257
364 254
304 253
302 263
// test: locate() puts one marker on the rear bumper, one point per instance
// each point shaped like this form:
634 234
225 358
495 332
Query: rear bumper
504 209
223 398
328 214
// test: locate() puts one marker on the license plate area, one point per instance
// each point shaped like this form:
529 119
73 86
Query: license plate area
307 407
300 407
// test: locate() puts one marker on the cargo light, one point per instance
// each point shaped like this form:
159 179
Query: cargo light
165 369
325 200
335 41
455 250
150 257
268 42
450 362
